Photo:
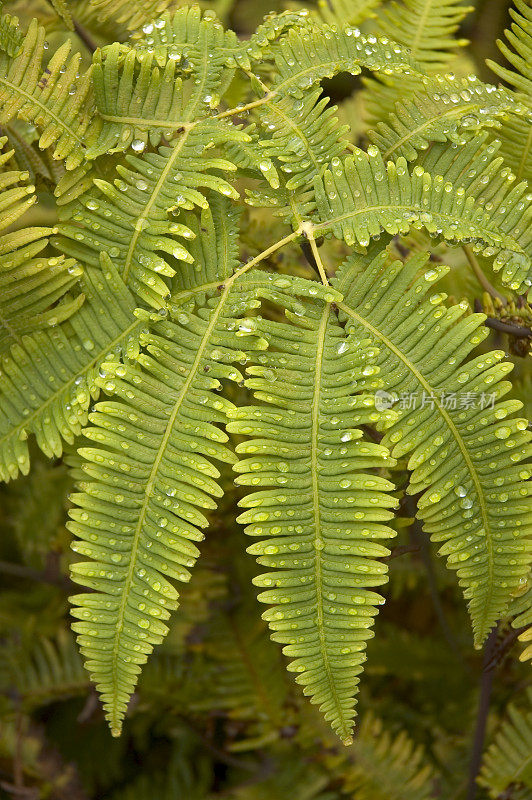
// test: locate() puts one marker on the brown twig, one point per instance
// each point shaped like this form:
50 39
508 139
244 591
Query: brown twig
486 685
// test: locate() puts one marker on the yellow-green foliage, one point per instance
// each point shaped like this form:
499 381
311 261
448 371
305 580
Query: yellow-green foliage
219 304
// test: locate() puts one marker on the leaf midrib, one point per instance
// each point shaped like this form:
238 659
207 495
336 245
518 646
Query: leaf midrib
139 224
315 426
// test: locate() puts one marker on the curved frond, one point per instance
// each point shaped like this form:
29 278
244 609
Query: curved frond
142 13
53 671
384 766
352 12
53 98
48 381
176 73
153 453
131 218
11 37
518 51
318 511
464 445
63 12
213 247
477 169
517 134
521 607
299 130
361 196
444 108
31 288
427 28
508 761
137 101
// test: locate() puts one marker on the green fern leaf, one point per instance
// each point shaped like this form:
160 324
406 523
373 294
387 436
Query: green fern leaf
136 101
427 28
199 44
517 134
306 455
131 217
149 92
11 37
53 98
361 196
508 762
275 25
521 607
142 13
385 767
478 170
49 379
30 288
214 249
465 460
63 12
161 479
352 12
52 672
444 108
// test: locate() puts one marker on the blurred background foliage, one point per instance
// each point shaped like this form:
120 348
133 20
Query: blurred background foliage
215 714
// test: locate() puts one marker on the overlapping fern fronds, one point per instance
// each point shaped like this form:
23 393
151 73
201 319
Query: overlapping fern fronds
50 378
52 97
360 196
152 301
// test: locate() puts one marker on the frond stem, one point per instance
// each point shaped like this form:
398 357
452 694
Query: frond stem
480 276
307 230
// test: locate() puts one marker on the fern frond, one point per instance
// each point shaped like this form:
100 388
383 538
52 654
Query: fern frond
213 247
31 289
142 13
248 681
136 101
299 129
11 36
477 169
274 25
521 609
63 12
48 379
517 134
464 456
131 218
149 92
306 454
200 45
54 99
161 479
518 51
302 137
427 28
37 534
444 108
508 761
361 196
53 671
303 58
384 766
351 12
